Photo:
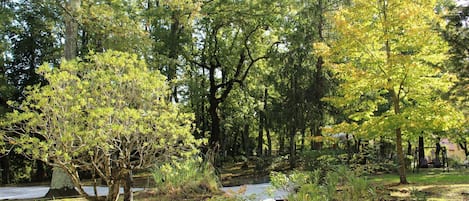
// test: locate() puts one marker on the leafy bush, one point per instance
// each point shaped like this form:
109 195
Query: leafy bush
339 184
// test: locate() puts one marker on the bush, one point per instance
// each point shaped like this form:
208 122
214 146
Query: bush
339 184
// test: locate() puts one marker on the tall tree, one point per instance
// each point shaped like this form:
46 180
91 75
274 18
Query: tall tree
230 41
301 78
456 33
388 52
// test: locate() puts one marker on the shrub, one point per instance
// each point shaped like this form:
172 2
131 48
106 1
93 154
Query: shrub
339 184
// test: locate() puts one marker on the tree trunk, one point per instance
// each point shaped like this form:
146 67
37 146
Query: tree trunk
292 149
113 194
245 139
400 157
214 139
269 142
128 195
400 151
260 137
463 146
266 123
40 173
437 162
71 29
281 142
5 169
423 163
303 136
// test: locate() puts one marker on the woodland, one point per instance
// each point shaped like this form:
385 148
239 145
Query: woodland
115 90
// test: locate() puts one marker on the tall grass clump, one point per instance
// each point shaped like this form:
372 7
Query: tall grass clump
193 177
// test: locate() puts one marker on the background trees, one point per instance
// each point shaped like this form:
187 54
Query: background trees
254 73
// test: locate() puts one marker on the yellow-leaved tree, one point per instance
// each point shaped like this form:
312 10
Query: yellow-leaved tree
108 115
388 55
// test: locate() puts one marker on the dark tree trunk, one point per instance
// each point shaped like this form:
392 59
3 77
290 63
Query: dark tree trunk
423 163
382 148
40 173
260 137
303 136
5 169
245 140
463 146
292 148
281 142
214 139
266 123
269 143
437 162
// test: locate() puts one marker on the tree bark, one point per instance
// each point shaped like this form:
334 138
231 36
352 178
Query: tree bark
245 139
423 163
437 162
128 195
400 157
281 142
266 123
260 137
292 149
400 151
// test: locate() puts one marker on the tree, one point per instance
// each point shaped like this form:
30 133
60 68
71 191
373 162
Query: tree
456 33
232 38
108 115
389 53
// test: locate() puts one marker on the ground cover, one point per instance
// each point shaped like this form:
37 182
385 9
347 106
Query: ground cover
427 184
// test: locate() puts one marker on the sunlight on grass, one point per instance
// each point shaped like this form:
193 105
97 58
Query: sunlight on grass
425 177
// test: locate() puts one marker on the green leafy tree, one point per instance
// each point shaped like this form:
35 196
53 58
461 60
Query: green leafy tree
231 39
108 115
389 55
456 33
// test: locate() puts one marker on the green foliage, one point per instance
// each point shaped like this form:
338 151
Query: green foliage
325 159
105 113
376 63
339 184
189 177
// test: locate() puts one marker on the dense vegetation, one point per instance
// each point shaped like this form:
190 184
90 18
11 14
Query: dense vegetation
104 88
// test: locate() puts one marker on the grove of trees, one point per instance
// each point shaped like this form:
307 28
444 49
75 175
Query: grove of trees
92 85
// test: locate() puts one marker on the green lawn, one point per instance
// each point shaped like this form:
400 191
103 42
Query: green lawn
428 184
430 176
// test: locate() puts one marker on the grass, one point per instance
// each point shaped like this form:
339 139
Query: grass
425 177
427 184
